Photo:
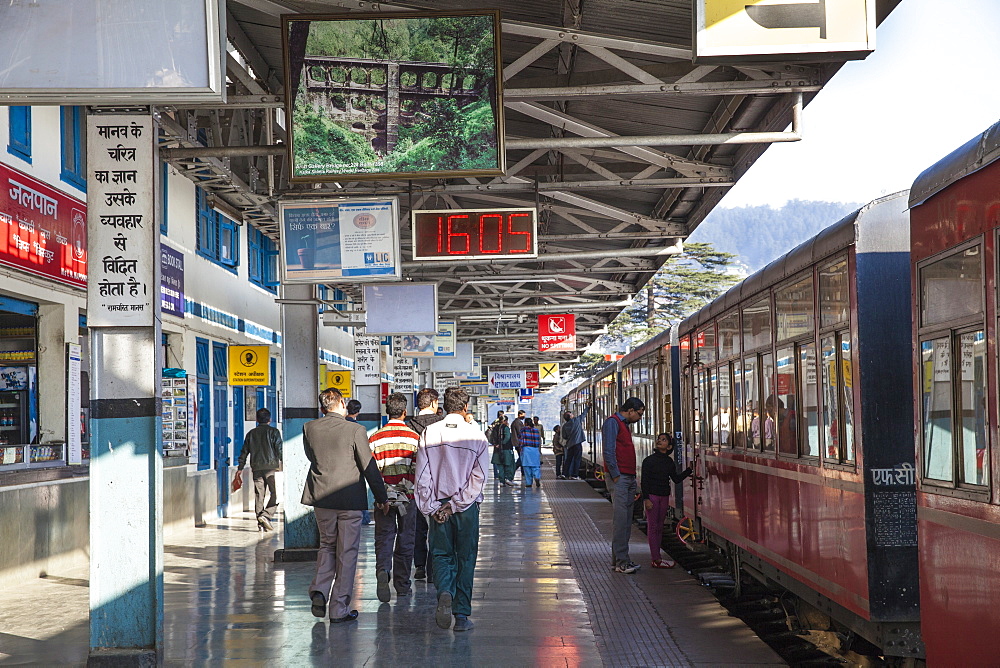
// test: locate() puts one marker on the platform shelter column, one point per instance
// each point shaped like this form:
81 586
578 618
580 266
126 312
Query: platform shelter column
126 464
299 380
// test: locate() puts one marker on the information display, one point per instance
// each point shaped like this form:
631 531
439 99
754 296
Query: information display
446 234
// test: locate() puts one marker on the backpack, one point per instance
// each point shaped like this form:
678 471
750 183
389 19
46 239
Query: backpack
496 435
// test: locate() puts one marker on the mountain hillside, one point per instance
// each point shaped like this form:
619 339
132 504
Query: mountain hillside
760 234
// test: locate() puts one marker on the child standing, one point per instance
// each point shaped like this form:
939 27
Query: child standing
658 472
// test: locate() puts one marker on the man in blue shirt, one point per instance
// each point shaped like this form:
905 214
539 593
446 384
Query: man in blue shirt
572 437
619 476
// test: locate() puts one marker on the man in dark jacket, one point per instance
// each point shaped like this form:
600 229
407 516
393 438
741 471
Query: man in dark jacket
515 438
427 406
340 463
262 446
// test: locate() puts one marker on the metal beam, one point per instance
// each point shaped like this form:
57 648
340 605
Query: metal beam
773 86
649 251
535 308
222 152
524 186
655 140
583 38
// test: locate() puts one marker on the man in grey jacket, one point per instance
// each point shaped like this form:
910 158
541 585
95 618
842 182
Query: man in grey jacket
571 432
262 446
340 463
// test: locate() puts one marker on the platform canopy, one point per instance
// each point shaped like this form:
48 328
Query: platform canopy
615 133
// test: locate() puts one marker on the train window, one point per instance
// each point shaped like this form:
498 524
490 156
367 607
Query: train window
808 410
729 335
952 288
834 307
781 408
705 410
794 309
757 325
721 421
751 406
972 408
838 398
706 345
767 379
936 403
847 396
739 423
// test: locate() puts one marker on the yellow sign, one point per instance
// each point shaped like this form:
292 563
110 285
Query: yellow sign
732 29
249 365
507 394
340 380
548 372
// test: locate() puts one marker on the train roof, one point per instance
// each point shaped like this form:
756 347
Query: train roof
969 158
661 339
834 238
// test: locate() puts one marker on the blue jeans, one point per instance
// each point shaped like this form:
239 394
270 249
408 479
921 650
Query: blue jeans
623 498
571 468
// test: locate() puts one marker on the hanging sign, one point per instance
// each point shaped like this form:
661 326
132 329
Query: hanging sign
74 424
340 380
42 231
120 226
477 370
508 380
171 281
367 362
741 30
403 372
557 332
531 379
249 365
548 372
326 240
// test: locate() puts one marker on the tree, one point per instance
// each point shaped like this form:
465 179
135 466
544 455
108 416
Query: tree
684 283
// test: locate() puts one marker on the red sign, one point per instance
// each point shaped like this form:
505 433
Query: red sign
557 332
531 380
42 230
474 233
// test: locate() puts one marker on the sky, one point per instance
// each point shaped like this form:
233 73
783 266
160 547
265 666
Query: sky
932 84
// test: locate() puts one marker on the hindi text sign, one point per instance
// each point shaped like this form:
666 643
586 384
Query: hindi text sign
120 226
249 365
367 364
557 332
508 380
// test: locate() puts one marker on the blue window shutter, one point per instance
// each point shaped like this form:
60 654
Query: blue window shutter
164 173
20 132
71 127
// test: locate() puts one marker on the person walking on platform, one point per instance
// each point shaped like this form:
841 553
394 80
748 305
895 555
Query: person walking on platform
262 446
619 476
452 466
427 407
658 472
541 430
557 450
394 448
340 462
572 438
531 455
353 410
515 440
506 452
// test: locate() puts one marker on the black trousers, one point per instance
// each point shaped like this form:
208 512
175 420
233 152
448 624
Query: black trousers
264 480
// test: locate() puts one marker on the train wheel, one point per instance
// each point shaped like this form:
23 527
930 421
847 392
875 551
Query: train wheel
599 474
686 531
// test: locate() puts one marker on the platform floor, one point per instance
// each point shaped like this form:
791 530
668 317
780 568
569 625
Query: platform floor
544 596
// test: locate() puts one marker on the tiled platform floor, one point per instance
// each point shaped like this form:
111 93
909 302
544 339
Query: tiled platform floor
227 601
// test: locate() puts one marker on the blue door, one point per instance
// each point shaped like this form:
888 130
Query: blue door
204 405
238 419
220 423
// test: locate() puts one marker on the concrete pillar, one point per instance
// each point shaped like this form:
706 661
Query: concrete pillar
126 464
57 326
299 373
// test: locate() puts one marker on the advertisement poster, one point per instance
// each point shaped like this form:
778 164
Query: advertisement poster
442 344
335 239
401 95
120 226
42 231
171 281
403 373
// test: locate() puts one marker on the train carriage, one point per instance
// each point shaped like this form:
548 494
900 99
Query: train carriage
797 413
955 223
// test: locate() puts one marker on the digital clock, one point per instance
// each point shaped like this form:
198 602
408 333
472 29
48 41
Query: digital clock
475 233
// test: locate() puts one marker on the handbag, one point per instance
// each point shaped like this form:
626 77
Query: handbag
237 482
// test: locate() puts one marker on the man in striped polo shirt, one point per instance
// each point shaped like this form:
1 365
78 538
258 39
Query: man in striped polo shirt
394 448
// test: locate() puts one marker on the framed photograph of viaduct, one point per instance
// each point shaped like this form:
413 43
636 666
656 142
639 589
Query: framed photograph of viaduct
393 96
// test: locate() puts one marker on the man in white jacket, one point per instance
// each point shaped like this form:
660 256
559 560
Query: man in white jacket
452 465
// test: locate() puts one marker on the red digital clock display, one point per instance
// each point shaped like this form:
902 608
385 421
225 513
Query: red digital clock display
474 233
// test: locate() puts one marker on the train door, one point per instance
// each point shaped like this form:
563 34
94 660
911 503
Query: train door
689 416
220 424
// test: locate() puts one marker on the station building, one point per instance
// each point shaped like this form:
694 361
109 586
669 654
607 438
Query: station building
212 269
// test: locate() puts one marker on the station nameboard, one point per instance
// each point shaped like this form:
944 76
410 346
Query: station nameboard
447 234
735 30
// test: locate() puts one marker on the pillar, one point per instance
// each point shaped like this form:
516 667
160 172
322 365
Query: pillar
126 464
299 371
